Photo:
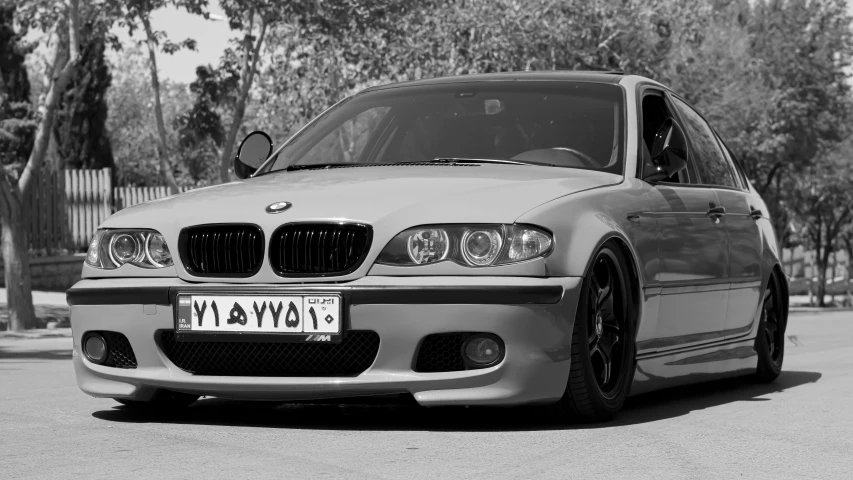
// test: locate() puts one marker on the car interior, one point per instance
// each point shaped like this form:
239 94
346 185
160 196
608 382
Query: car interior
655 112
575 131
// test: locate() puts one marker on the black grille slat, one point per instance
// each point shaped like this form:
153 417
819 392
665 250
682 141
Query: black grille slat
352 356
318 249
442 352
228 250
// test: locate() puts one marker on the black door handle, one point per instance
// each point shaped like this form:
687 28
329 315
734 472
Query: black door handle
716 211
755 213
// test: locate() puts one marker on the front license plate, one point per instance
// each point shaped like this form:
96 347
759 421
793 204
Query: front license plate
293 318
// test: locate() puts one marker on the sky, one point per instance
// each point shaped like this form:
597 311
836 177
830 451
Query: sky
212 37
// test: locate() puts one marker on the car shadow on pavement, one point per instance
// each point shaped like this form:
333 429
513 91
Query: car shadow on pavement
366 414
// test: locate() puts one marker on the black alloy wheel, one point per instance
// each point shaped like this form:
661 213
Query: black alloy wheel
770 341
605 327
603 351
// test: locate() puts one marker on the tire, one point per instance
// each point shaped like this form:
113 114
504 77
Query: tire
162 400
770 342
604 327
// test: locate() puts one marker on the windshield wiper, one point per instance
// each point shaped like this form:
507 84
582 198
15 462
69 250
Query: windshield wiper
443 160
475 160
320 166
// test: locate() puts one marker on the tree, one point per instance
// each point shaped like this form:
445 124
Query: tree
846 239
824 205
80 127
200 129
803 49
244 15
135 14
15 187
131 124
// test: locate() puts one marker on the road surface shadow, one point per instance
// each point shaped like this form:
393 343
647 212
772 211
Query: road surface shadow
16 354
360 414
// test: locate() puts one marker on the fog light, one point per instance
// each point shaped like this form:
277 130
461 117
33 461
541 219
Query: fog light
95 348
483 350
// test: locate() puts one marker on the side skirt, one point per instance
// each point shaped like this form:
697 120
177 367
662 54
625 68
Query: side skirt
694 365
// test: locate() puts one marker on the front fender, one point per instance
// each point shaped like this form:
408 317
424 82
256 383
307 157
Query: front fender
582 222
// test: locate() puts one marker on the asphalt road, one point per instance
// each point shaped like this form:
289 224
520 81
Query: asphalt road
799 427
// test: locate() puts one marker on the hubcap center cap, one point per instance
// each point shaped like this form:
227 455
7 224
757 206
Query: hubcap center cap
599 324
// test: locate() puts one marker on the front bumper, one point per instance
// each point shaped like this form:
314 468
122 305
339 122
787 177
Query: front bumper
533 316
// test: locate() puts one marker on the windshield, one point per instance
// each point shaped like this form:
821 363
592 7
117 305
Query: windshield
561 124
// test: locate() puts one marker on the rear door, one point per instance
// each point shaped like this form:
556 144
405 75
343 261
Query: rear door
743 212
744 240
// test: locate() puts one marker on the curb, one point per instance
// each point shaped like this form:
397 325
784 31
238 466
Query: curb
819 309
37 334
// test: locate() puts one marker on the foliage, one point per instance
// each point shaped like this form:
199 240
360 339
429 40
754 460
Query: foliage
200 130
131 126
79 130
17 119
824 205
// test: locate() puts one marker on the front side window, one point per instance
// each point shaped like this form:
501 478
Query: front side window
655 111
553 124
706 153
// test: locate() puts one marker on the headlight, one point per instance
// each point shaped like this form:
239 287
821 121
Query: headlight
110 249
470 245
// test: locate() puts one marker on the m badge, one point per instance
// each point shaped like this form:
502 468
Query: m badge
318 338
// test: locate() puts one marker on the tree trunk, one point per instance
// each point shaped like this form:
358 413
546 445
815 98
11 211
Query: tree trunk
13 216
163 151
822 269
848 286
16 258
60 80
250 62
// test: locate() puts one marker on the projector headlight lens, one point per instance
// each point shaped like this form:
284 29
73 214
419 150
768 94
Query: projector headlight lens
481 247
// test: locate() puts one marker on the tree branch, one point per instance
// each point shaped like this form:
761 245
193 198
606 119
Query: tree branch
55 91
769 180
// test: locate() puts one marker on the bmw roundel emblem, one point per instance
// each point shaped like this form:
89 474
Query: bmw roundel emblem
278 207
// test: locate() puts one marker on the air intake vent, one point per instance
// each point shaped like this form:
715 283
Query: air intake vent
226 250
352 356
318 249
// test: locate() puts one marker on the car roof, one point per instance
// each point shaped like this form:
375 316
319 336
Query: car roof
612 77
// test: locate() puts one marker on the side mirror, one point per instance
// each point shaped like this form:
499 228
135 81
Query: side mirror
255 148
669 152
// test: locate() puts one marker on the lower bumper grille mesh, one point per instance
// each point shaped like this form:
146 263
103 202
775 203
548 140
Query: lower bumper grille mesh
121 353
350 357
442 352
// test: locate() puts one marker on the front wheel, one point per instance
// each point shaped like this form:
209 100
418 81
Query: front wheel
603 350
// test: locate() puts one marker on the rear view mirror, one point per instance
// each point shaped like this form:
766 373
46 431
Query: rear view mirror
669 152
255 148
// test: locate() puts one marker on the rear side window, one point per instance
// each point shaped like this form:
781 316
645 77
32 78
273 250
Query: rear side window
707 155
740 179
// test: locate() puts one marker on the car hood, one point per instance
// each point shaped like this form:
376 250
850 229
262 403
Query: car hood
389 198
395 197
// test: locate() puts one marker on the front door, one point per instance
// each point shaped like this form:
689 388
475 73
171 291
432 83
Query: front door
694 269
716 168
692 280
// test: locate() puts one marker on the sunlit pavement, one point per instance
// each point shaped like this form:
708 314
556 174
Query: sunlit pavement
799 427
